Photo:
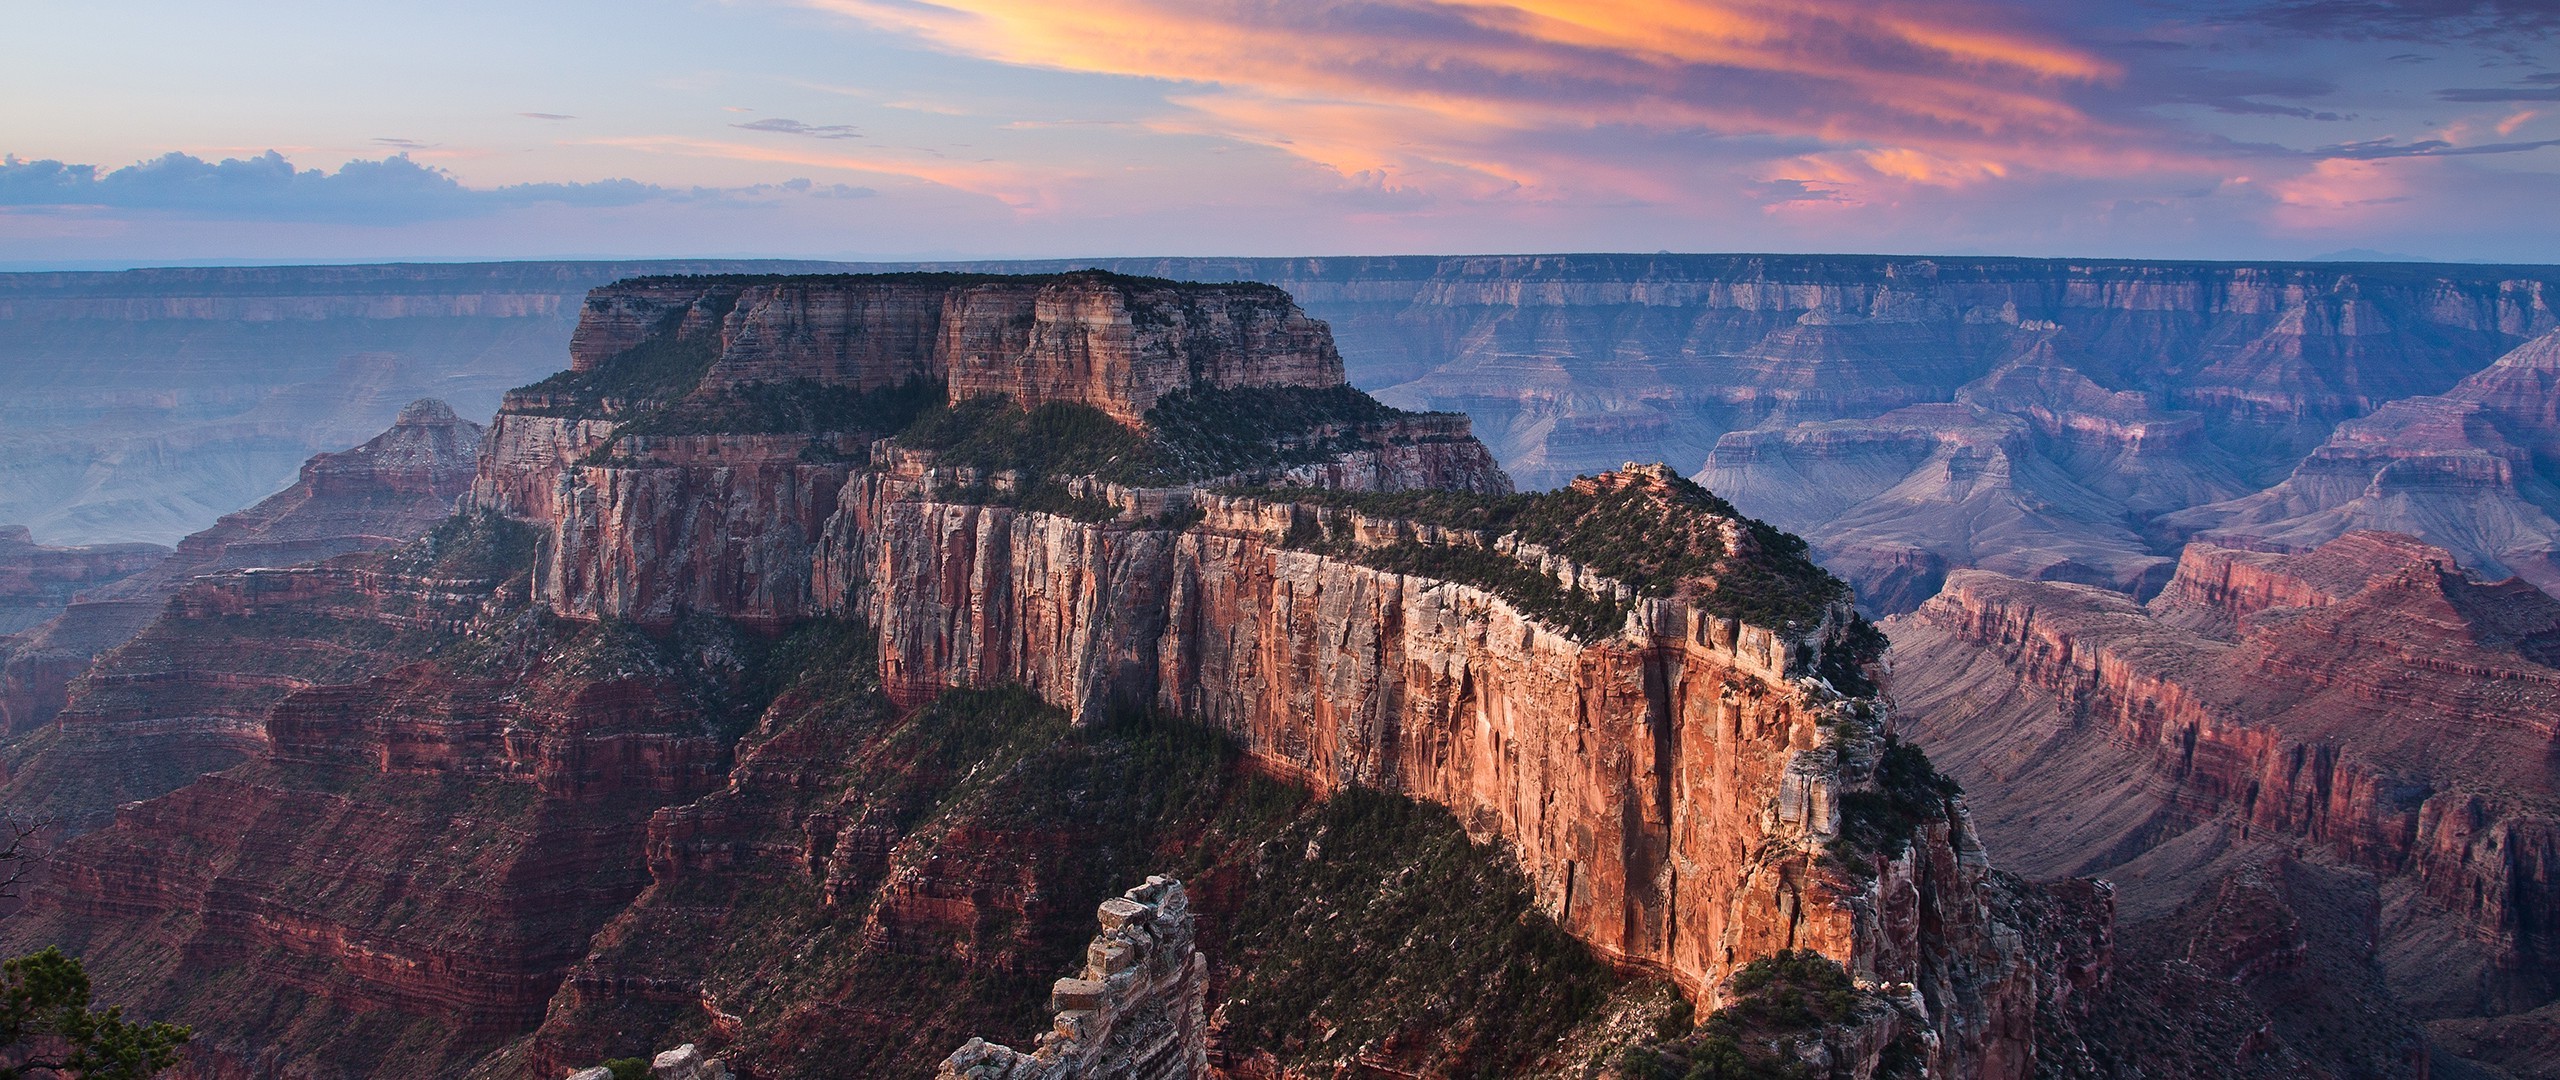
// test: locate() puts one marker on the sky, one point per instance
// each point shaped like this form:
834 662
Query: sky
143 133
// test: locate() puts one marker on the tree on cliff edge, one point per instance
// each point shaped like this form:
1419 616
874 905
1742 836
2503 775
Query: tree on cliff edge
48 1030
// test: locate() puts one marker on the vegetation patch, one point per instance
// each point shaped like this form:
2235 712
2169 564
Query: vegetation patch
1579 614
663 367
1661 542
1781 1003
1191 435
476 544
1375 930
795 407
1203 432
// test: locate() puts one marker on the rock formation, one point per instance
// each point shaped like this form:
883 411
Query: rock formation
385 492
457 780
1139 1009
2468 470
2276 750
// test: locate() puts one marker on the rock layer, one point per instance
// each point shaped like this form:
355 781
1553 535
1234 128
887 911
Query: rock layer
2268 702
387 491
2469 470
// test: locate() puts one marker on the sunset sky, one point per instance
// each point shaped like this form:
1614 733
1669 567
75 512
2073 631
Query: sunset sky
269 130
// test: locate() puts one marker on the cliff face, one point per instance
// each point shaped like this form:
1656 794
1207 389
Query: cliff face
386 491
1114 343
2262 704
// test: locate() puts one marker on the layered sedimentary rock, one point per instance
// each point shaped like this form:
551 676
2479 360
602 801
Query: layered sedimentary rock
37 581
359 818
646 526
2468 470
2365 706
1138 1009
1111 342
387 491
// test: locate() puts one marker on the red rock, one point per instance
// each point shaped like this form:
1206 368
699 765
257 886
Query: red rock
2365 699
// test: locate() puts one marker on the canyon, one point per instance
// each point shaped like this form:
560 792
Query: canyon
2041 417
456 801
2345 750
2122 515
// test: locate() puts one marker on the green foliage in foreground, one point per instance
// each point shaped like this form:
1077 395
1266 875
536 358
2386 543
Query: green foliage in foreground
46 1024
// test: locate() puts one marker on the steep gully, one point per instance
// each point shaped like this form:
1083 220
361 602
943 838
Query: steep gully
1670 790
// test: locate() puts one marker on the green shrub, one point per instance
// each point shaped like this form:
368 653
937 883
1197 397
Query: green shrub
630 1068
799 406
1661 544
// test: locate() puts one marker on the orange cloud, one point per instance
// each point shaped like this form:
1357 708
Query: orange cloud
2341 192
1464 92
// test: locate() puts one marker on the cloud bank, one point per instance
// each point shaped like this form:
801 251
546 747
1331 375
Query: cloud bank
393 190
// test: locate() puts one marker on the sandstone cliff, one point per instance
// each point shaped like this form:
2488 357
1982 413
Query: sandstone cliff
2248 747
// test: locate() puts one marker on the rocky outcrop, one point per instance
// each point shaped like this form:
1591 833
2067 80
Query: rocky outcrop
2365 704
1671 791
1138 1009
1091 338
387 491
646 527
